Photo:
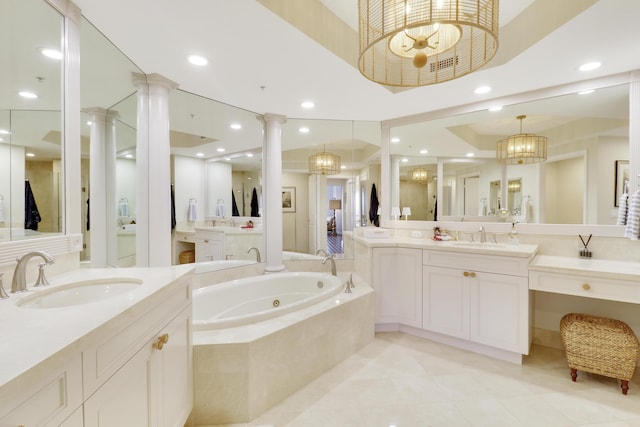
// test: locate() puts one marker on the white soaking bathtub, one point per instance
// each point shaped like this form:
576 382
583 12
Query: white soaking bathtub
250 355
245 301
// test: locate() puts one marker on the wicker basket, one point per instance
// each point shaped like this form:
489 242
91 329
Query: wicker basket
187 257
599 345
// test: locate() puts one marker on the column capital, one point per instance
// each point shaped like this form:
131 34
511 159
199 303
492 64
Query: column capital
96 111
142 81
271 117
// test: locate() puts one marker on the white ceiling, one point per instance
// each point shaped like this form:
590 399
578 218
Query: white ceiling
260 62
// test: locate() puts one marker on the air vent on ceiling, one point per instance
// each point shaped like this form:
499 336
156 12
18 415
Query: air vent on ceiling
444 63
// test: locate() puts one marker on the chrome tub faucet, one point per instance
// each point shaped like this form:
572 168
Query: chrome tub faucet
333 264
258 257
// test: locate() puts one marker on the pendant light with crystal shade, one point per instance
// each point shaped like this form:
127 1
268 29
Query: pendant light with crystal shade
420 42
523 148
324 163
420 174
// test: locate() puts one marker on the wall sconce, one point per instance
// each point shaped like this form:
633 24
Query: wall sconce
406 211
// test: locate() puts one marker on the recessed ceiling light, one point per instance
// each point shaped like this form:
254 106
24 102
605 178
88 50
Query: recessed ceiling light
228 159
30 155
395 140
424 151
200 154
482 90
198 60
220 150
4 132
51 53
586 92
249 154
303 130
307 104
343 167
249 178
236 126
1 139
496 108
405 160
589 66
129 156
27 94
470 154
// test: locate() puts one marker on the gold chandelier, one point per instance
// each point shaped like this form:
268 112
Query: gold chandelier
324 163
523 148
422 42
420 174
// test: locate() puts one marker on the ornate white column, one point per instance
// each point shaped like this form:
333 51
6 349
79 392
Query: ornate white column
153 171
97 190
272 190
110 187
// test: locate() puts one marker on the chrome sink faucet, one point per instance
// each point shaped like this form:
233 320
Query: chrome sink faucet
483 235
333 264
321 251
253 248
19 282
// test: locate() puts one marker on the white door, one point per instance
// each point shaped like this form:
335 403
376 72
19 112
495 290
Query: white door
471 196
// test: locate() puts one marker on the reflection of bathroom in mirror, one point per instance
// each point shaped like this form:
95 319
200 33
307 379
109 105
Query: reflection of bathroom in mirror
586 133
31 178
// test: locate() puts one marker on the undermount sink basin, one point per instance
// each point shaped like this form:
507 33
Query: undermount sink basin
79 293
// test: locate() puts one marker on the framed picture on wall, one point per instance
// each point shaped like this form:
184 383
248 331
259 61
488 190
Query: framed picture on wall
288 199
622 177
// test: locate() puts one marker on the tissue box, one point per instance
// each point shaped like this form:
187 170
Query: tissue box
376 233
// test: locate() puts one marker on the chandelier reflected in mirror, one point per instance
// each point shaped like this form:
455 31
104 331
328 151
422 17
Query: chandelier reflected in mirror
324 163
420 174
523 148
421 42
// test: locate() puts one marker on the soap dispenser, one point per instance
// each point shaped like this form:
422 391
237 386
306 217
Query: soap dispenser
513 235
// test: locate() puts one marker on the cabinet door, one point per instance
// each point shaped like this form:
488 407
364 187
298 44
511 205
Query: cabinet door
499 311
123 401
175 368
445 301
397 279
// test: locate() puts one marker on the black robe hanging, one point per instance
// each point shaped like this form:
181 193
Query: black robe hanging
31 214
234 205
373 207
254 203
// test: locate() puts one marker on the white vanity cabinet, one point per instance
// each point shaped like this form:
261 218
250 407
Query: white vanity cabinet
477 297
397 280
142 374
209 246
46 397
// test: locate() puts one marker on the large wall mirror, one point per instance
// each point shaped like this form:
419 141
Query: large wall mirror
107 95
587 133
31 117
328 207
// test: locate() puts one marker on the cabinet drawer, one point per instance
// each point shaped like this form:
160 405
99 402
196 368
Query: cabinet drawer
186 237
513 266
102 360
46 396
585 286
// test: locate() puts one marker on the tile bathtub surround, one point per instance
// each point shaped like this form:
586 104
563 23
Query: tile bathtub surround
405 381
237 379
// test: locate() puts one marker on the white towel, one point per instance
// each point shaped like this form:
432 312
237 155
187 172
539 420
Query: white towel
123 207
623 209
191 210
220 208
633 217
1 208
524 209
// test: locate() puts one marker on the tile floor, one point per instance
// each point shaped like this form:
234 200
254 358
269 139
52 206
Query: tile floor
403 381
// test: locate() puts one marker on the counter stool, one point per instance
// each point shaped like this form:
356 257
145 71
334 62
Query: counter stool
599 345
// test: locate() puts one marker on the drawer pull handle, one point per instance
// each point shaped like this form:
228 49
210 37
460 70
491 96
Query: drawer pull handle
469 274
161 341
472 274
206 241
465 274
586 286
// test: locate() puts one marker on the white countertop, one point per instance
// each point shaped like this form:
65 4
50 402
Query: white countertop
31 335
608 269
502 249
